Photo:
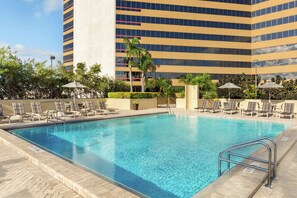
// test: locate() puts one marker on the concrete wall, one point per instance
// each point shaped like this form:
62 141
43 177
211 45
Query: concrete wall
48 104
191 96
127 104
180 103
94 33
124 104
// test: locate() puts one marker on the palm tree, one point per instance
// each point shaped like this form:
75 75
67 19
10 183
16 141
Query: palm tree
132 52
187 79
162 83
146 63
204 82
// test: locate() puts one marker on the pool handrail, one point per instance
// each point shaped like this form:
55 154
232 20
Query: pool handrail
271 169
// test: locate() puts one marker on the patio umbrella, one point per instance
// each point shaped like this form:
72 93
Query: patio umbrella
270 85
229 86
74 85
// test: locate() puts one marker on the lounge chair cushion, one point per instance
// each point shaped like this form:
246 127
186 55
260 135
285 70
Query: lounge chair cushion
18 108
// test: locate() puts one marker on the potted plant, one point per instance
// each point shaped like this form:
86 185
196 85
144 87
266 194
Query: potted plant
135 105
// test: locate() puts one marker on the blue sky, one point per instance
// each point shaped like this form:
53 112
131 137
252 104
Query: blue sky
33 28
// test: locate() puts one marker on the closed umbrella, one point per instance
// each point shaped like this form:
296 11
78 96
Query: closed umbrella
270 85
74 85
229 86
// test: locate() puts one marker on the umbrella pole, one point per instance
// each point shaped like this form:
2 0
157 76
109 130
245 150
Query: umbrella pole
229 95
269 96
74 95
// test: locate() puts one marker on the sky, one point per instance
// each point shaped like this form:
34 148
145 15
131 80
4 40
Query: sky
32 28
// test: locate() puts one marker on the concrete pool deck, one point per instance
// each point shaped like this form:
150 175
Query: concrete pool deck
235 183
20 178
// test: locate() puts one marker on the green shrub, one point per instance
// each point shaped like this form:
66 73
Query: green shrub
209 95
133 95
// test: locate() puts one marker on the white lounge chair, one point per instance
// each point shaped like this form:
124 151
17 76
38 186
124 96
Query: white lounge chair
89 106
215 107
288 110
202 106
2 115
75 110
251 109
265 110
37 111
102 106
231 108
19 111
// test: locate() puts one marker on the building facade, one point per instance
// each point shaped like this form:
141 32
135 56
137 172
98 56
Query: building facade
220 37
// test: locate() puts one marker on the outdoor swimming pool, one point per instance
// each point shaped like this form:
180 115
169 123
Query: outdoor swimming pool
157 155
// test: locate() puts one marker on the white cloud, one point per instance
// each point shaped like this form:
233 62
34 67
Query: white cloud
38 54
38 14
48 6
52 5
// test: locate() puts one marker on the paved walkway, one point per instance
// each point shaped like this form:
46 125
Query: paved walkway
21 179
286 185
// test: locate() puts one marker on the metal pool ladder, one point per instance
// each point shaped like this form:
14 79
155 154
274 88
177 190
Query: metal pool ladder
271 163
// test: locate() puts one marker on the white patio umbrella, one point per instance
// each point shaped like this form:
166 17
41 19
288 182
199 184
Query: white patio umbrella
270 85
74 85
229 86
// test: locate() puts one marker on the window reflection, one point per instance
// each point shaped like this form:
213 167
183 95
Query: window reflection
281 48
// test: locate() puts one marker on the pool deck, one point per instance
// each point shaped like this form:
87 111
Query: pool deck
286 184
20 178
60 178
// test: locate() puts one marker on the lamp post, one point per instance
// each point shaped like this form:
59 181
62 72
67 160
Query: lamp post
52 59
256 76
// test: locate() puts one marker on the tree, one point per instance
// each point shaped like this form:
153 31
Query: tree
207 88
23 79
133 51
187 79
242 80
158 85
145 63
111 85
10 74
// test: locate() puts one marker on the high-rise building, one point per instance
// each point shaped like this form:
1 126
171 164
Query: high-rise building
194 36
68 33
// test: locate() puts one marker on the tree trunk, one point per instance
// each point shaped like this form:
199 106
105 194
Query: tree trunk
130 78
142 82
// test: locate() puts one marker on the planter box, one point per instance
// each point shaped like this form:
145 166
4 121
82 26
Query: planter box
127 104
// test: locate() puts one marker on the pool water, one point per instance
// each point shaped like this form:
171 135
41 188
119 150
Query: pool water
157 155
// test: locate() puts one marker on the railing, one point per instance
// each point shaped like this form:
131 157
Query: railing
271 164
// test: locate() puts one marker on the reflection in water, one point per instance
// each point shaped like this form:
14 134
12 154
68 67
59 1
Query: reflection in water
160 155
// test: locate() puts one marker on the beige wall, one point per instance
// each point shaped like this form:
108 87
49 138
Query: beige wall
48 104
127 104
191 96
180 103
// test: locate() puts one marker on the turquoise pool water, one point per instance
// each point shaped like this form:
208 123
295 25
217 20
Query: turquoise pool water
158 155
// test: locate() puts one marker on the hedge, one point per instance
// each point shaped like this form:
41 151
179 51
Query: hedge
132 95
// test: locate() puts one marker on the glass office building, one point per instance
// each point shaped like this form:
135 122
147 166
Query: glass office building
220 37
68 33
